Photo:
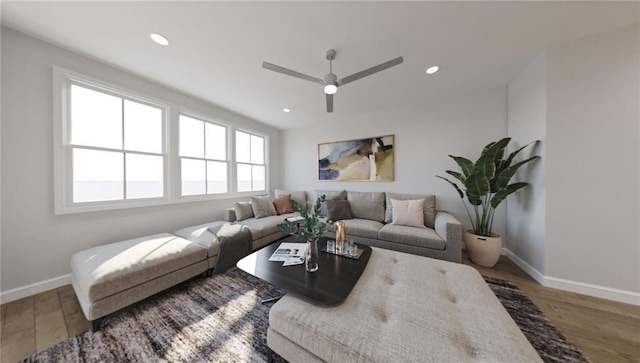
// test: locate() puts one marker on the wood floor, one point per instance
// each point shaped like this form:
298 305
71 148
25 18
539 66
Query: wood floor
604 330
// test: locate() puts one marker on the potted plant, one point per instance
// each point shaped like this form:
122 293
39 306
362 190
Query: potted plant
485 184
310 229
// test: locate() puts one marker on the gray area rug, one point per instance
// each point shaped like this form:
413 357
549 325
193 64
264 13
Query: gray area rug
221 319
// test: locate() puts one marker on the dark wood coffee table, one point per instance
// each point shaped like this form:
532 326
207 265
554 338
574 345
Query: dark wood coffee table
330 285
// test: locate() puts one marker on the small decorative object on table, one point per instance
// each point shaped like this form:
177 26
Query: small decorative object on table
309 229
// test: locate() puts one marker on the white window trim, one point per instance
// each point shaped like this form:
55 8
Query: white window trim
266 163
63 204
229 160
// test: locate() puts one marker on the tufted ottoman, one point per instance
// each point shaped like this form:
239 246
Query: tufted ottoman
404 308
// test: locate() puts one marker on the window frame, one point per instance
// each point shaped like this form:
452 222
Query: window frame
265 146
63 79
206 119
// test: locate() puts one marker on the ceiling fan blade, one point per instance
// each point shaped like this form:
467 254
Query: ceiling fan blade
329 103
369 71
289 72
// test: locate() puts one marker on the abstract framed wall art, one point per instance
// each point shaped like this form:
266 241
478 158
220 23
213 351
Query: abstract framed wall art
369 159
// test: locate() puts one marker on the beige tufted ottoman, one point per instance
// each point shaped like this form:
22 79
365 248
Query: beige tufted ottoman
404 308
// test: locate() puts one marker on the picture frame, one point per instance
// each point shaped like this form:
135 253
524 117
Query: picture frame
365 159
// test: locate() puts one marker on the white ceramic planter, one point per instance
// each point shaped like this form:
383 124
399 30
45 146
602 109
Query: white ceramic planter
483 251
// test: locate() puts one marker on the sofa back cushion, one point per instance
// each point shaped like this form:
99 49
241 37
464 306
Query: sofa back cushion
300 197
367 205
243 210
263 207
329 195
429 207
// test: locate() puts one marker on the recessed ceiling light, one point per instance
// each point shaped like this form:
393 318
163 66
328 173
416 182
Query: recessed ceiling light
432 70
287 110
159 39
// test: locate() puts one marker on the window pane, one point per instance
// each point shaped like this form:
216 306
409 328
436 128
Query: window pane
97 175
258 178
216 177
193 177
144 176
257 150
191 137
142 127
243 147
216 139
96 118
244 178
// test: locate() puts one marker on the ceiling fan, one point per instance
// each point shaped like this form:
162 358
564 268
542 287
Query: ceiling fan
331 81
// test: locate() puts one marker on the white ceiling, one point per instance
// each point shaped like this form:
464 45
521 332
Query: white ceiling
217 48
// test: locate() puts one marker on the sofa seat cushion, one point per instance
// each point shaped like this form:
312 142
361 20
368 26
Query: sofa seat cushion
266 226
202 234
404 308
108 269
422 237
362 227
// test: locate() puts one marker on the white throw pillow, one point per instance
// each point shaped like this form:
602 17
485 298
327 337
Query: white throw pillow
408 212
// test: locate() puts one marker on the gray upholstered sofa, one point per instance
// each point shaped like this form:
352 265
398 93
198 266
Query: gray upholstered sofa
372 224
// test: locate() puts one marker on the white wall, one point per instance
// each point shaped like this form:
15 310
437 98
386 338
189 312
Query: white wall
527 119
593 201
424 136
36 244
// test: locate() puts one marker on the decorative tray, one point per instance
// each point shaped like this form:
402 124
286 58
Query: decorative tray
356 257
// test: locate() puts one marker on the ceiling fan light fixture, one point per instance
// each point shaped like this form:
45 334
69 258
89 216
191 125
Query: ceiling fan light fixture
159 39
432 70
331 88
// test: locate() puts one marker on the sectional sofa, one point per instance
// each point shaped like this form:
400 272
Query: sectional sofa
370 221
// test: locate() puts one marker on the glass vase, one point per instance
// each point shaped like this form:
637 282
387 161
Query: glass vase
311 260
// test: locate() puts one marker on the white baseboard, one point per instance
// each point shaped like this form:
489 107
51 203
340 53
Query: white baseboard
535 274
33 289
624 296
627 297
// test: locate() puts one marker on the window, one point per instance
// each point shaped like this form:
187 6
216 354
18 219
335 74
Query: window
250 165
203 157
115 146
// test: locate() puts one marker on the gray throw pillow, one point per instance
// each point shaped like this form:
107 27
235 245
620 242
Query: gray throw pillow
338 210
243 210
330 195
263 207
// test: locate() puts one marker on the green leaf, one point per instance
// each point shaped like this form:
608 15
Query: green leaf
492 150
503 178
455 186
486 166
474 200
477 185
465 164
456 175
513 154
503 193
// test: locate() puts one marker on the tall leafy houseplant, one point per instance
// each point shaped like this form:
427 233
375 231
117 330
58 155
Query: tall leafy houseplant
485 183
310 229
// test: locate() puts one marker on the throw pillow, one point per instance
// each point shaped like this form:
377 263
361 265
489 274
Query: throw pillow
408 212
330 195
262 207
283 204
243 210
338 210
299 196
